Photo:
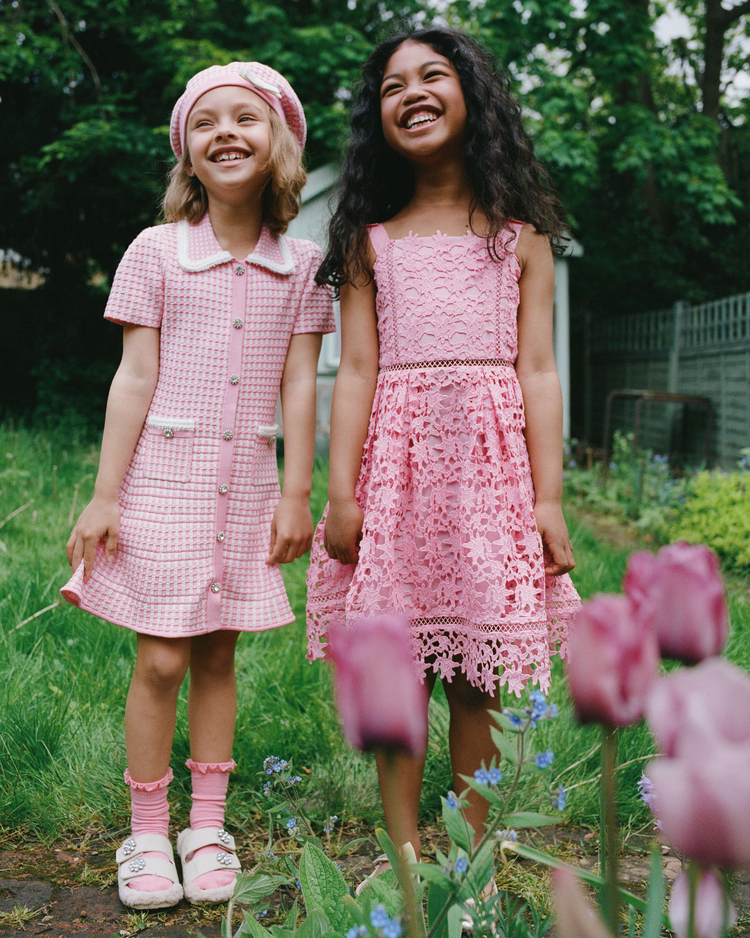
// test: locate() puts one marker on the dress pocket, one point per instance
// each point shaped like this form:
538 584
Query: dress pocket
266 471
167 452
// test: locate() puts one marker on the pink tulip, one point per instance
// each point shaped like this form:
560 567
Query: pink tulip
681 593
381 702
701 704
612 662
714 913
704 802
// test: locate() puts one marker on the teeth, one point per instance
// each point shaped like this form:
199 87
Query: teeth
421 119
222 157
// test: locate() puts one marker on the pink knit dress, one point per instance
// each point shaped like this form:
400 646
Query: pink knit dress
199 494
449 535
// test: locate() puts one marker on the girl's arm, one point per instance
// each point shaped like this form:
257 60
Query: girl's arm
540 385
353 394
291 527
128 402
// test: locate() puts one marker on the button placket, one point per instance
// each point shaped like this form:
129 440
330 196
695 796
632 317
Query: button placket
228 428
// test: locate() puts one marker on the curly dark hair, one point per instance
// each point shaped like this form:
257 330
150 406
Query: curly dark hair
508 181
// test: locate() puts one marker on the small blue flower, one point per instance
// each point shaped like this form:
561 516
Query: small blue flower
292 822
379 917
451 801
562 797
544 759
552 711
512 835
353 932
391 929
462 865
270 854
481 777
494 775
514 718
330 823
507 835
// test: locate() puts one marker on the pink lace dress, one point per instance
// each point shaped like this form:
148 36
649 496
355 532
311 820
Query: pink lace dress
449 536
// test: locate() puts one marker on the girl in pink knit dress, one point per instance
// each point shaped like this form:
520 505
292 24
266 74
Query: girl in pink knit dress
446 432
184 535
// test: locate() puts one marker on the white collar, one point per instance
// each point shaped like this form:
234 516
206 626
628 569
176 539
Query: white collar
198 249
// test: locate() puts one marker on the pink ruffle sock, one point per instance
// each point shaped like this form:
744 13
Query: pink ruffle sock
150 815
210 782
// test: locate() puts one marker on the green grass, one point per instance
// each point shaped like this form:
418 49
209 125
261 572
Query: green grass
64 675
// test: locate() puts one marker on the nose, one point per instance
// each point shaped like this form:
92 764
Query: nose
225 128
414 92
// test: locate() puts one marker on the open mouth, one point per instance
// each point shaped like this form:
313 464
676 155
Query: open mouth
229 156
420 119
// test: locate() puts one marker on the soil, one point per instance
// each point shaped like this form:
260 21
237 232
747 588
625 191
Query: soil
71 890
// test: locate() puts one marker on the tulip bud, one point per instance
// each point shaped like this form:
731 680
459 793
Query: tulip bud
704 802
381 702
679 591
699 705
612 662
714 913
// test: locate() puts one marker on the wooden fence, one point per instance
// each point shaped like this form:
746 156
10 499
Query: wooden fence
701 350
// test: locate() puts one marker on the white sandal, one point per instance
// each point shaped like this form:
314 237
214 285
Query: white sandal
188 841
131 864
467 922
382 864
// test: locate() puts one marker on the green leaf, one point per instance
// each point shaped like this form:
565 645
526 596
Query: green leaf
384 889
323 886
316 925
437 899
528 819
389 848
459 830
251 927
504 745
654 910
250 889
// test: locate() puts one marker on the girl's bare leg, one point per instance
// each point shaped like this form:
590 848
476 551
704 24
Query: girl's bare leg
151 707
212 700
470 741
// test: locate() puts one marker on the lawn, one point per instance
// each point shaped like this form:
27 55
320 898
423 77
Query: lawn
64 677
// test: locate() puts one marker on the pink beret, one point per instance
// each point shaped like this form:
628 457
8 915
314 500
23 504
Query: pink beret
264 81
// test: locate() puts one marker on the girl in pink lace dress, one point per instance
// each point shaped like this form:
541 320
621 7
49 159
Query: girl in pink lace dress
446 432
183 537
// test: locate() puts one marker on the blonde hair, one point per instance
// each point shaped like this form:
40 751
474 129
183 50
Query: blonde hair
186 196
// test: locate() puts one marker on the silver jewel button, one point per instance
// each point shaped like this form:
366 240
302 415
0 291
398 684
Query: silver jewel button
220 537
227 434
128 846
239 270
223 489
271 440
215 587
223 836
224 858
237 323
169 433
234 379
136 865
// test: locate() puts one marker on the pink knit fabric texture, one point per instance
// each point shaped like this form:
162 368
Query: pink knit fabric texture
209 793
200 491
449 535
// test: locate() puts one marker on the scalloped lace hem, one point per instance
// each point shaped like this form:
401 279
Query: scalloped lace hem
204 767
148 786
509 655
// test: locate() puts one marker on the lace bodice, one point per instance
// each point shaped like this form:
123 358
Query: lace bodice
455 275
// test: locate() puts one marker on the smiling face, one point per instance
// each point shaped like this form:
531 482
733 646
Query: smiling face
229 142
422 104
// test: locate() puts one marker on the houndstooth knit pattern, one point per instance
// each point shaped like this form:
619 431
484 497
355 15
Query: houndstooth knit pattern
449 534
200 491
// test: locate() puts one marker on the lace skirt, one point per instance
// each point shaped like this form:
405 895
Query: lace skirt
449 536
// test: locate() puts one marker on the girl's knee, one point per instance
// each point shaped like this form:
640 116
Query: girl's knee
213 654
162 663
460 693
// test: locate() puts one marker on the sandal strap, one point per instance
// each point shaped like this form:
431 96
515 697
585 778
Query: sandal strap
191 840
158 865
208 863
134 846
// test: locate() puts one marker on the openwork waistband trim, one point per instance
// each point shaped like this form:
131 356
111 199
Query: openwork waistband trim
452 363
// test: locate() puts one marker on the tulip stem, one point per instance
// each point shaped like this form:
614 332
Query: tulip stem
609 846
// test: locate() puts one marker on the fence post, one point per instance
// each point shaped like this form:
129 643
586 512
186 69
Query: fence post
674 352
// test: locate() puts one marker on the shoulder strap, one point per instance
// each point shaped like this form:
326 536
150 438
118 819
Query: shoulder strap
379 237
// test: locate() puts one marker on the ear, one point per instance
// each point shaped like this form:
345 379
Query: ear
189 169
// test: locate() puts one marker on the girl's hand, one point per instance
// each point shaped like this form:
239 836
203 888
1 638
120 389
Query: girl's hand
343 531
99 520
558 551
291 530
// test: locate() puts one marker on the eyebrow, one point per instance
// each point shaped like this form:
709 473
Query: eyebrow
240 106
423 66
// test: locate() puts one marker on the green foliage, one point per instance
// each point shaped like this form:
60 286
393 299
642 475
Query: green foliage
717 513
